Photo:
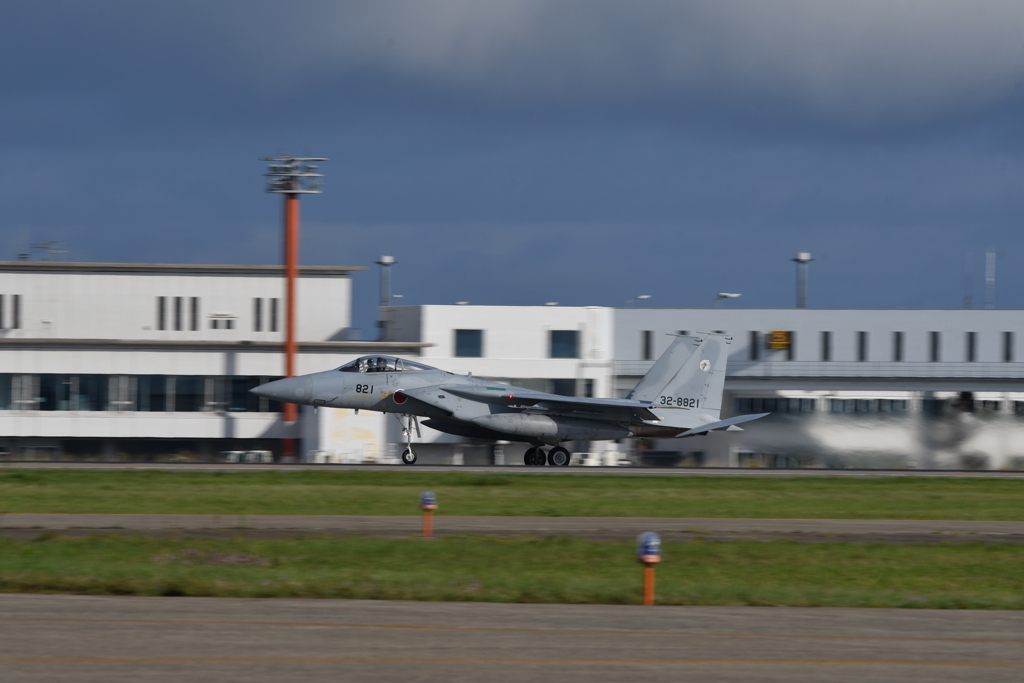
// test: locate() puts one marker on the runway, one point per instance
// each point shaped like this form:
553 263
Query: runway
102 639
598 528
519 469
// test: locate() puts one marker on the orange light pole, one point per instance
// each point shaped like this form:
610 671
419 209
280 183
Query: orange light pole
291 176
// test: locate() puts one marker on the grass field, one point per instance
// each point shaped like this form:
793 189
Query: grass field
558 570
397 493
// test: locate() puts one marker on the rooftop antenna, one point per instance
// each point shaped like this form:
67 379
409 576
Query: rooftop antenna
49 248
969 280
990 279
802 259
23 255
385 263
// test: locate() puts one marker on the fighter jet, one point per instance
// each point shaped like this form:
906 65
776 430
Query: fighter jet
680 396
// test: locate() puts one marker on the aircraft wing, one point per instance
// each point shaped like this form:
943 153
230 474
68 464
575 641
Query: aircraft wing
427 396
597 408
722 424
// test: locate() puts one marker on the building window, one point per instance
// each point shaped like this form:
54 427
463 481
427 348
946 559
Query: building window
647 343
222 323
826 346
565 343
194 321
897 347
871 405
16 312
177 314
257 315
273 315
2 297
563 387
755 346
152 396
746 406
934 350
791 349
189 393
988 406
145 393
161 313
862 346
971 344
1007 347
469 343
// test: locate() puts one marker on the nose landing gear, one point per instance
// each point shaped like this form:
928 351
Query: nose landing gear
409 455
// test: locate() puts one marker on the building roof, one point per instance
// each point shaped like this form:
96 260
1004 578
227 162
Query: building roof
170 269
123 344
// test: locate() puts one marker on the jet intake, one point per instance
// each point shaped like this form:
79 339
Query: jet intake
551 429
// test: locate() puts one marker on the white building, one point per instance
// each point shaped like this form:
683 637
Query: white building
145 361
873 388
138 361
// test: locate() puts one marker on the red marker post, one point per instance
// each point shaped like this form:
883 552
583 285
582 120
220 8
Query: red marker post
648 553
428 503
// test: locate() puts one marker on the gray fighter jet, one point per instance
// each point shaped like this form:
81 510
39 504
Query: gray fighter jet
681 396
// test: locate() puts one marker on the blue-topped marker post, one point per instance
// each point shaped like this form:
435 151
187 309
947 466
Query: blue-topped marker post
428 503
648 553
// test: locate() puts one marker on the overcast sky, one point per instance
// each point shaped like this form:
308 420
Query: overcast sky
505 152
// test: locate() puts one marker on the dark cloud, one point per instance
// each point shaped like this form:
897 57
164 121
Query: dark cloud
579 151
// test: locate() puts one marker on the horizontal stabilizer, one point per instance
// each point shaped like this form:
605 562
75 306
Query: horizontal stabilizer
703 429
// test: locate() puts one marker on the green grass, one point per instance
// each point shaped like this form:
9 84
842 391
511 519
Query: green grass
397 493
552 570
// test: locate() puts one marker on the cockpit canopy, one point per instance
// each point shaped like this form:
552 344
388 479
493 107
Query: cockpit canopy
382 364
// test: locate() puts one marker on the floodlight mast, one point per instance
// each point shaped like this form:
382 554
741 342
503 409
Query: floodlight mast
291 177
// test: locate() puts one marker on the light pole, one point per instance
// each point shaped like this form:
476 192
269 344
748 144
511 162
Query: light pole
641 297
291 176
801 259
725 295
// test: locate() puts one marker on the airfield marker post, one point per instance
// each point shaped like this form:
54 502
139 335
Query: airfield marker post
648 553
428 503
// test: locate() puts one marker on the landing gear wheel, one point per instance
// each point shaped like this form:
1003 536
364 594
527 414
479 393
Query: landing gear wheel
408 457
534 457
559 457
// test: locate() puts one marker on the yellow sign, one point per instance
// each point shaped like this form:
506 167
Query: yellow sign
780 339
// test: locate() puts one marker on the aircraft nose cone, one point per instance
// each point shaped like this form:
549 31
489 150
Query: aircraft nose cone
290 389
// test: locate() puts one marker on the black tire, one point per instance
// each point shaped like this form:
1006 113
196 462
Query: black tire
559 457
534 457
408 457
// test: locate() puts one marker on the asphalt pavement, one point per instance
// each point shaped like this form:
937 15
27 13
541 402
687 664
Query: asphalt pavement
520 469
56 638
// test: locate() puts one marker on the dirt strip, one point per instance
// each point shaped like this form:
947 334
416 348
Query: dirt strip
597 528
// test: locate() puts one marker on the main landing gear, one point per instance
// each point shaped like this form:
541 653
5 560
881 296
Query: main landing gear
556 457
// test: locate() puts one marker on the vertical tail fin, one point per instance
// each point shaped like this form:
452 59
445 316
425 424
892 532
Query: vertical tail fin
689 377
666 367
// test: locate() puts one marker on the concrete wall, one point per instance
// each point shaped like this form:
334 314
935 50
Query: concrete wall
98 305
